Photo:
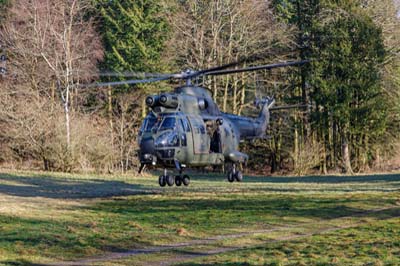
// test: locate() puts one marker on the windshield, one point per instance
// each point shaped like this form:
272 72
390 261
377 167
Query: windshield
150 123
147 125
167 139
168 123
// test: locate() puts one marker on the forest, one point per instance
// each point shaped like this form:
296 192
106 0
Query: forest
351 87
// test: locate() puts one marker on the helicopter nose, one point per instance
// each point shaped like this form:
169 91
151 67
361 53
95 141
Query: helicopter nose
147 146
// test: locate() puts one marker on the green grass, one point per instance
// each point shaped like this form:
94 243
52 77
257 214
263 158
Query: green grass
53 217
376 243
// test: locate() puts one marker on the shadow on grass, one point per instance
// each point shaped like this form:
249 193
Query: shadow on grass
67 188
236 210
222 264
304 179
19 263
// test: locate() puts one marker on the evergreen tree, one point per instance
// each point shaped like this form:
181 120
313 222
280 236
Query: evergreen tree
133 33
347 50
350 112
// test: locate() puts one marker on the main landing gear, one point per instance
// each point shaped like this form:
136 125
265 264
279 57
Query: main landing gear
170 180
234 174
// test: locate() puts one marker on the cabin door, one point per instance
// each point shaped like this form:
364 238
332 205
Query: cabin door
201 141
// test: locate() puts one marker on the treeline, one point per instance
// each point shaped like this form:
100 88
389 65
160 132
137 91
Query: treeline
350 89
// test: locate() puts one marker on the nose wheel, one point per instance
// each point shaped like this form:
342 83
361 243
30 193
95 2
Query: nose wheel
234 175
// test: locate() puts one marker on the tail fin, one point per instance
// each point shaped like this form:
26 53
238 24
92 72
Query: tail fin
265 105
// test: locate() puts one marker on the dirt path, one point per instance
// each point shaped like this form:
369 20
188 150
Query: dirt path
210 241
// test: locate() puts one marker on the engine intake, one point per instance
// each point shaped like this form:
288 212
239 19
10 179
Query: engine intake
169 100
152 100
203 104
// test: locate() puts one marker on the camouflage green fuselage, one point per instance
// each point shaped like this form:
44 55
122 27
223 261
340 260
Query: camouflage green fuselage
187 128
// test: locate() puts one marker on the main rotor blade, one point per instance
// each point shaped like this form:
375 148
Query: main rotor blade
125 82
297 106
132 74
213 69
254 68
156 77
242 60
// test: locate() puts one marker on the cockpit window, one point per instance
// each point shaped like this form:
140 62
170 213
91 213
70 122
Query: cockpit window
168 123
150 123
147 124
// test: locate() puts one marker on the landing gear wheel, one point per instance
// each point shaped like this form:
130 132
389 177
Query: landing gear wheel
238 176
178 180
186 180
231 176
170 180
162 181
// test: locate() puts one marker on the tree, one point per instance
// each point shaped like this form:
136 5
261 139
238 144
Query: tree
304 16
49 49
347 89
212 33
384 13
345 78
133 34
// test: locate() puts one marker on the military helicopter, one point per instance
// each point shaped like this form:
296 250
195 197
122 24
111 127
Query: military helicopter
185 128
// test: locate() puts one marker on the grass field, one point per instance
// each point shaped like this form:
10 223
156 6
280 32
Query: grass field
64 219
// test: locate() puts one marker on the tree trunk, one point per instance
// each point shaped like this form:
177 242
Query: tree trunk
235 93
144 108
243 96
111 124
46 164
122 136
274 164
296 144
324 169
215 94
330 144
224 105
67 125
346 156
378 158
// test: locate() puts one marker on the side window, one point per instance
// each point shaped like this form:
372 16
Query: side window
183 140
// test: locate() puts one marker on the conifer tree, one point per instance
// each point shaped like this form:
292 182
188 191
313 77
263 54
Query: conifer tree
347 51
133 33
348 95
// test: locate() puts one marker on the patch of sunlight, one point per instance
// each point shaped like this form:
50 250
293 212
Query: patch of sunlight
5 182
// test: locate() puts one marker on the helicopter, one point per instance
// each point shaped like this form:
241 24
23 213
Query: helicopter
186 129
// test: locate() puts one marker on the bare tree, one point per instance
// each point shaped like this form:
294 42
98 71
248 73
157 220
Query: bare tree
51 44
210 33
